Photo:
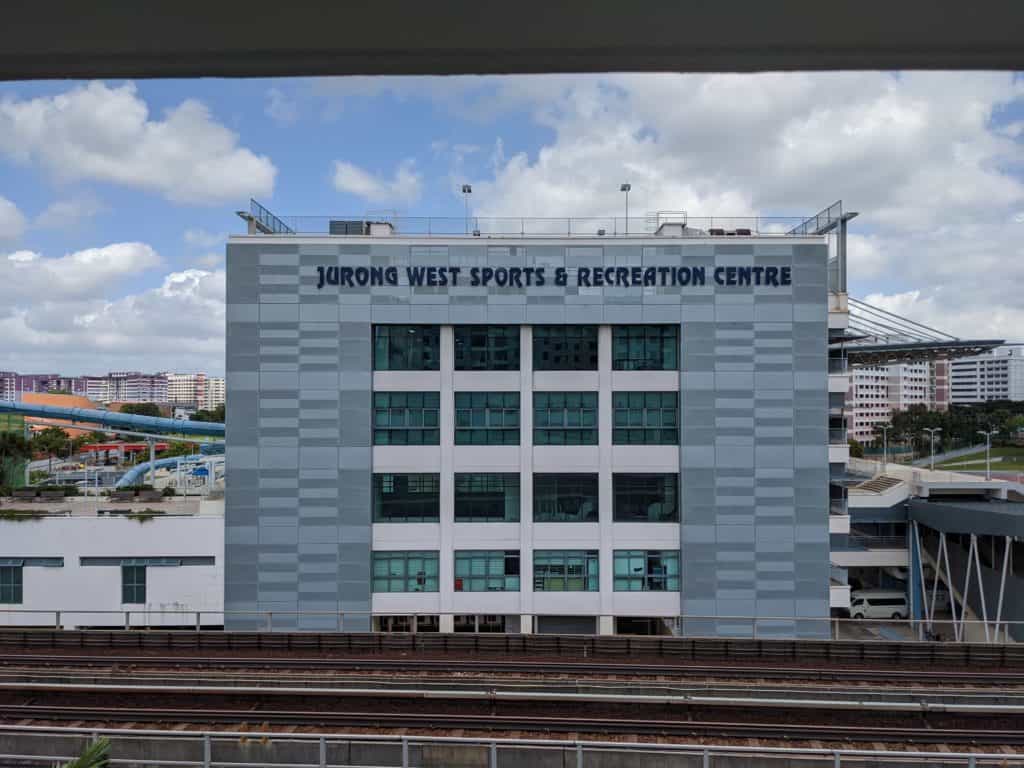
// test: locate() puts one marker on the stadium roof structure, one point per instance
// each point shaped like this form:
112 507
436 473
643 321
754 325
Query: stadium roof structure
878 337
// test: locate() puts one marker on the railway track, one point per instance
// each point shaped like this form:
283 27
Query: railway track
536 667
27 714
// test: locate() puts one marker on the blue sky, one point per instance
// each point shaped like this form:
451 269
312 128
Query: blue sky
115 196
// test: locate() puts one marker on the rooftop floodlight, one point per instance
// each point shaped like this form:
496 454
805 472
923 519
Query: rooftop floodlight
625 188
467 190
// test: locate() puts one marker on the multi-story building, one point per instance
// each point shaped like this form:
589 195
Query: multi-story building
195 389
186 388
531 433
136 387
215 393
876 392
997 375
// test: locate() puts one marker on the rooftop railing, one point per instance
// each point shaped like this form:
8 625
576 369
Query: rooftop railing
493 227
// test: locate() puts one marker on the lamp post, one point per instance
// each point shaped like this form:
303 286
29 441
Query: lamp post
988 450
932 431
467 190
885 444
625 188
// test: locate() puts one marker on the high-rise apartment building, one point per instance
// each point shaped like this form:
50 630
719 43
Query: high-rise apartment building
997 375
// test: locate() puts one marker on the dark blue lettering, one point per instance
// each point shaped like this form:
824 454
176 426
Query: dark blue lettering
474 275
730 275
699 278
453 272
582 276
720 275
486 274
621 277
785 276
416 275
758 274
743 275
539 274
391 275
650 276
515 275
771 276
501 276
320 277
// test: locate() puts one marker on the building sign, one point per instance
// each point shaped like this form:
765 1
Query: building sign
528 277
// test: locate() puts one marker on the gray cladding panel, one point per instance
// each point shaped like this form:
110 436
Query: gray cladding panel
753 397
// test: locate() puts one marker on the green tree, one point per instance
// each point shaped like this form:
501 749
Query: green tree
96 755
178 448
141 409
14 447
52 441
856 449
216 415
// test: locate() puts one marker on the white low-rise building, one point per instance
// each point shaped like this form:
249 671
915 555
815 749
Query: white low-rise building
103 569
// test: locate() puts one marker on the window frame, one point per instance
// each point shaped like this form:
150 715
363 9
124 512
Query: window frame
499 567
459 496
471 355
566 485
488 407
12 584
392 420
427 343
652 428
643 347
546 408
647 581
130 587
381 479
430 580
590 576
583 345
637 493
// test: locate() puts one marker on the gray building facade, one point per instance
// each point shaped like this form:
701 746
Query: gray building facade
753 462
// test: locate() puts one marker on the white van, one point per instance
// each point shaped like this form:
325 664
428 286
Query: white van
878 604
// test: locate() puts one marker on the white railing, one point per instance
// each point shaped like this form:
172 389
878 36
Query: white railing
266 747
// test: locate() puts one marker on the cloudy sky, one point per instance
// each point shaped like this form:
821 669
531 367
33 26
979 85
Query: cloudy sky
116 197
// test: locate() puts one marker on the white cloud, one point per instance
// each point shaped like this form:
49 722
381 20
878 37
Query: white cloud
27 277
12 221
403 187
67 214
203 239
922 156
210 260
178 324
280 108
99 133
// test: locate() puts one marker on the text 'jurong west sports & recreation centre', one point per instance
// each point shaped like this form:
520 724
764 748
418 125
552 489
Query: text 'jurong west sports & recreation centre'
562 429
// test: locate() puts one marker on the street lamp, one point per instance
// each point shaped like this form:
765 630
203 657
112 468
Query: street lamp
988 450
932 431
885 443
625 188
467 190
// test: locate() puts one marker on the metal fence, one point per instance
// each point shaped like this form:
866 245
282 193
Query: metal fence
593 226
428 622
46 745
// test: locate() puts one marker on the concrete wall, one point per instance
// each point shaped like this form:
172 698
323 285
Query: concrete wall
75 589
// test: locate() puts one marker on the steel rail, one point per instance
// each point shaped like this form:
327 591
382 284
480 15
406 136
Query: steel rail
274 680
522 696
567 667
483 721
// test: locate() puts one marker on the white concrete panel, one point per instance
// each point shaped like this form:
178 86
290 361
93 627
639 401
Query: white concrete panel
565 381
486 602
566 458
408 458
406 602
566 536
646 536
487 458
406 381
486 535
645 603
838 383
645 381
399 536
870 558
486 381
645 458
568 603
838 523
838 453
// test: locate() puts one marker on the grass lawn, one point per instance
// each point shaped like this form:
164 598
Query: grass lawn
1012 460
